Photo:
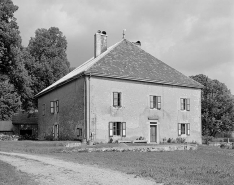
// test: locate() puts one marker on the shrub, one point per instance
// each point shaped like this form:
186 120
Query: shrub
180 140
111 140
49 138
207 139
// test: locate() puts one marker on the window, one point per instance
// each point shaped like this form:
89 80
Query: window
43 109
155 102
79 132
57 106
117 129
183 129
52 107
185 104
116 99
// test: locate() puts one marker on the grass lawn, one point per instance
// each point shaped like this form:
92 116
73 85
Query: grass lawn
207 165
10 176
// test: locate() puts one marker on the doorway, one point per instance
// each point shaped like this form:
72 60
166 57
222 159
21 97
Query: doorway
153 133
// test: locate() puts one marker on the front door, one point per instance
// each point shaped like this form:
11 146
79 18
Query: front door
153 133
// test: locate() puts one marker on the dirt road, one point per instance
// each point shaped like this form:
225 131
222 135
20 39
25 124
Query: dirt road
48 170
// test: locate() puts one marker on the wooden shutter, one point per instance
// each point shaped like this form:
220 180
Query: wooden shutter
179 129
188 129
151 102
53 130
119 99
182 104
52 107
111 129
188 104
159 102
115 99
124 129
57 131
57 106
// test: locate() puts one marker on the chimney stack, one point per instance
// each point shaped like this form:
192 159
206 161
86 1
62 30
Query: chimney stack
100 43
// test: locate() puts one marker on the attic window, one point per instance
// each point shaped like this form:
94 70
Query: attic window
155 102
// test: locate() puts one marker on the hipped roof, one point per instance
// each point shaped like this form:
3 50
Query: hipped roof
125 60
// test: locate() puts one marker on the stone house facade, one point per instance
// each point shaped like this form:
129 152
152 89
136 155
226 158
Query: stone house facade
122 93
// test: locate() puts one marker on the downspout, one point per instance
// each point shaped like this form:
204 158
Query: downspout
89 103
85 112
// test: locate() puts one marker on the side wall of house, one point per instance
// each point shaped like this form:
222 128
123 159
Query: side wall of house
136 112
71 111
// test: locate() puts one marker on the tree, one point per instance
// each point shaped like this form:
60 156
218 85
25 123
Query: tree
11 63
9 99
217 106
48 61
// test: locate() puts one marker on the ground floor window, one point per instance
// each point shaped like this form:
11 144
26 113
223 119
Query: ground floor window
183 129
117 129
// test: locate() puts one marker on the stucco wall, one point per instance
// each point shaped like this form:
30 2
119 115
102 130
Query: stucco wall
71 111
6 126
135 109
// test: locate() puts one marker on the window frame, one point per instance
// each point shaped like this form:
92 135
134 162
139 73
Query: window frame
117 127
117 101
185 104
186 129
155 102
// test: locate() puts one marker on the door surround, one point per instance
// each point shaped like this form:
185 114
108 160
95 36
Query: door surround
153 122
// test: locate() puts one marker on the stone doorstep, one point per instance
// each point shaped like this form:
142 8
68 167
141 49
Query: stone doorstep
134 141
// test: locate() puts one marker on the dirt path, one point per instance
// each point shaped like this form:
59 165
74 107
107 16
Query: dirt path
48 170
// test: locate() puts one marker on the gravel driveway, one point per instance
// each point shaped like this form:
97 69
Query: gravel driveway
48 170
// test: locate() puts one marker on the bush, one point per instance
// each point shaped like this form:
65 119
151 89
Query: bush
49 138
207 139
180 140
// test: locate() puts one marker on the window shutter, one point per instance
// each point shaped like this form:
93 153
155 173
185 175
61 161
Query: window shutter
111 129
124 129
52 107
179 129
188 129
119 99
57 131
151 102
182 104
115 99
57 106
188 104
159 102
53 130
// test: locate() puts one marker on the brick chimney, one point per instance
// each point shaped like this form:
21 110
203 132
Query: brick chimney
100 43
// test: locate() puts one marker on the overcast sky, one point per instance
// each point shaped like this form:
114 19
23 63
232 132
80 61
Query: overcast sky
194 37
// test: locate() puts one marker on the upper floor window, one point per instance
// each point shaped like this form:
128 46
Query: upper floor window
185 104
54 107
155 102
116 99
43 109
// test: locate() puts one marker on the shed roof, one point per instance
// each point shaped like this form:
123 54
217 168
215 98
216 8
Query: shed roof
125 60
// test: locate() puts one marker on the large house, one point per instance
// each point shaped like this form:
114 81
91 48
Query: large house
122 93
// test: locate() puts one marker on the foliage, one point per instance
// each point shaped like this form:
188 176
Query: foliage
217 106
45 58
180 140
11 63
9 99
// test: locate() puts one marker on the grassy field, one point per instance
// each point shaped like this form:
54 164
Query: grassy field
207 165
10 176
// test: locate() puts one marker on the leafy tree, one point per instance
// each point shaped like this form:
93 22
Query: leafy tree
11 63
9 99
48 62
217 106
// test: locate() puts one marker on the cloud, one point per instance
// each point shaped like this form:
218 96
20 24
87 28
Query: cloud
192 36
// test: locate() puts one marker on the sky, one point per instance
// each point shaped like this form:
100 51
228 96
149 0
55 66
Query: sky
194 37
